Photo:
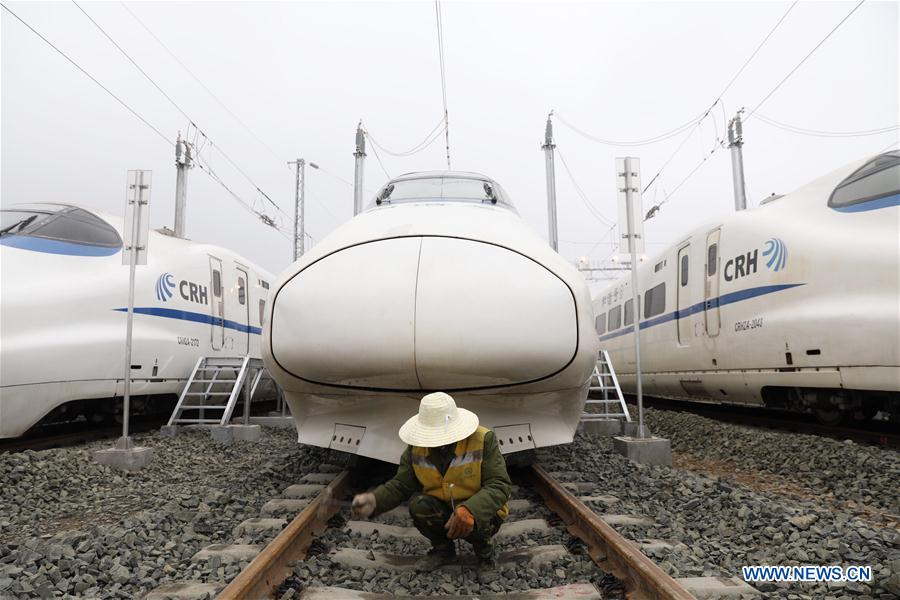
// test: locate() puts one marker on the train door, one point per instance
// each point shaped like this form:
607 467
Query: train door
217 303
711 295
242 343
684 296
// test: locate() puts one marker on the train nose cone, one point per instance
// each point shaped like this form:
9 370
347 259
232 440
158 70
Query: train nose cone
424 314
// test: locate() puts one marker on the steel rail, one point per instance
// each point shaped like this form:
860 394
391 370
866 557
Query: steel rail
642 578
270 568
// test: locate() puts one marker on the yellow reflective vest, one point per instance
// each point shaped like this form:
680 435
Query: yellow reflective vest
464 471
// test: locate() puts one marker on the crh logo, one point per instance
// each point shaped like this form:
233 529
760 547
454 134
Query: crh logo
745 264
190 291
777 253
164 286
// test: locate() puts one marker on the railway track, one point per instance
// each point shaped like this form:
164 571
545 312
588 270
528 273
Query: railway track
620 565
878 433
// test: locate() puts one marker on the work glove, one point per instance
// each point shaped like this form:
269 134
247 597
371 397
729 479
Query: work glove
460 524
363 505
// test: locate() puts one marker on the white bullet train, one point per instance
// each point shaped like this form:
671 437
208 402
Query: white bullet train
793 305
437 285
62 314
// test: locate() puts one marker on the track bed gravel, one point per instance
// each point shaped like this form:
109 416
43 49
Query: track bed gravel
742 496
71 527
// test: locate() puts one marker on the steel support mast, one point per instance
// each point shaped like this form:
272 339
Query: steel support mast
359 156
630 189
548 148
183 162
736 143
298 207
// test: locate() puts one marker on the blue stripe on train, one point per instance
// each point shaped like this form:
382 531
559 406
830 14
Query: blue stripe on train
722 300
38 244
870 204
186 315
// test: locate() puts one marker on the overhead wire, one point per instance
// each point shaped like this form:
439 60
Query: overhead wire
200 82
138 116
805 58
440 35
824 133
433 135
179 109
89 76
580 192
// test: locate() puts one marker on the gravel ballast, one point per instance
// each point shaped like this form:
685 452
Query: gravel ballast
744 496
72 527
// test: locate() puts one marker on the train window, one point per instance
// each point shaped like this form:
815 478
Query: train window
217 283
615 318
262 311
242 291
629 313
67 225
878 178
712 254
455 189
600 324
684 270
655 301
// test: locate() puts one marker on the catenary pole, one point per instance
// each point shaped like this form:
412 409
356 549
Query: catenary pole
635 293
360 156
548 147
736 143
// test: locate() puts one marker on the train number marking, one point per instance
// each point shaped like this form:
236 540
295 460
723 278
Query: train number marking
188 341
748 324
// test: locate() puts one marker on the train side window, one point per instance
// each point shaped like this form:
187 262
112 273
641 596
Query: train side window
629 313
615 318
600 324
878 178
684 270
655 301
712 254
217 283
262 311
242 291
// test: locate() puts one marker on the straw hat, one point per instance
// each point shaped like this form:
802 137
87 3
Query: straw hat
438 423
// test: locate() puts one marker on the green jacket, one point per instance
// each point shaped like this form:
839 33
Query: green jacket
495 483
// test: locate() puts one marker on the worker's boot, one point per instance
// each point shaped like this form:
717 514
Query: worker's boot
487 562
435 559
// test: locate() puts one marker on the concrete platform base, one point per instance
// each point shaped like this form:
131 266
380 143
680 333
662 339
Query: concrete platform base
127 459
601 427
228 434
630 429
718 587
572 591
168 431
286 422
646 451
185 590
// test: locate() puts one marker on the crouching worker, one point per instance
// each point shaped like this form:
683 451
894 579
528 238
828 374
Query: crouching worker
457 478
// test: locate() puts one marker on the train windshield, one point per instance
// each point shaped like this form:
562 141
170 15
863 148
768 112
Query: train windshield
60 223
876 180
443 189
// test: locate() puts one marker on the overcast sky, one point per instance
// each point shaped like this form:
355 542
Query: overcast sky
300 75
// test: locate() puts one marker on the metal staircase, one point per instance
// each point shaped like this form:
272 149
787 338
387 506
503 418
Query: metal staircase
604 382
213 390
